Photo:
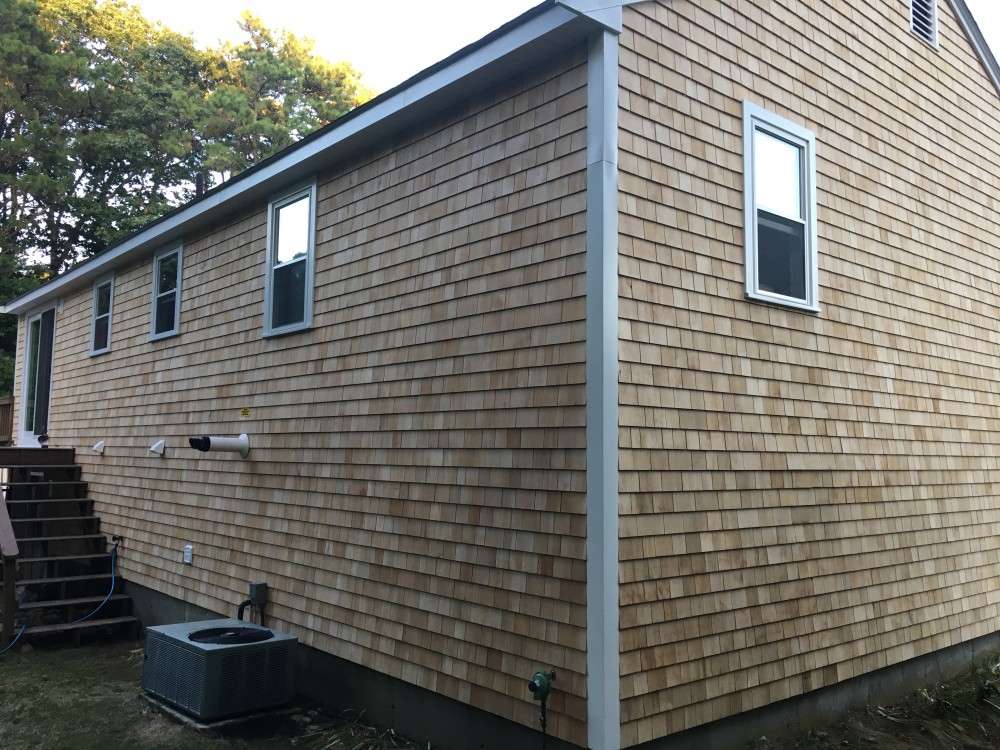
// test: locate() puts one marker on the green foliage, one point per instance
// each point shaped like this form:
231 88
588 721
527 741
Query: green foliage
106 118
15 279
269 92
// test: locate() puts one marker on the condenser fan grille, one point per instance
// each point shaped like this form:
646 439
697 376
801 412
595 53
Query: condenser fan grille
213 681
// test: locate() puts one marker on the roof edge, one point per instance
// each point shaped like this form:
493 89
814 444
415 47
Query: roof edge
410 98
975 34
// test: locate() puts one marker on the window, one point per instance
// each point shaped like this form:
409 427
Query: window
288 288
779 184
100 324
166 314
923 20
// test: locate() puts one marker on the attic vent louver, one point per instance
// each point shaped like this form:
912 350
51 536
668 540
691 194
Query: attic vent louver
923 20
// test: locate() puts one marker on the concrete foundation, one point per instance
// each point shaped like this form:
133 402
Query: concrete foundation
821 706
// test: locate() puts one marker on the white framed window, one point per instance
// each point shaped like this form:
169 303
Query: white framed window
166 310
923 20
779 193
291 238
100 321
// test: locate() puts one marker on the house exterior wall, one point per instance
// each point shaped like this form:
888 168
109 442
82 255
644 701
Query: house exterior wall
415 492
804 497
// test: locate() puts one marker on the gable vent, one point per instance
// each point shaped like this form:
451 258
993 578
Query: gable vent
923 19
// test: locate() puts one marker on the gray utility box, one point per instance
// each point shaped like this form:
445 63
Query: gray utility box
213 680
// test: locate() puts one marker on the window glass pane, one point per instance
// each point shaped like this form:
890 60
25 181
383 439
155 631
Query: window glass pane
288 295
166 305
293 231
34 334
781 257
776 175
167 273
104 299
101 333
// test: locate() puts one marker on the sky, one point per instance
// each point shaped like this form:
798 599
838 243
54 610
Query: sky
987 14
389 40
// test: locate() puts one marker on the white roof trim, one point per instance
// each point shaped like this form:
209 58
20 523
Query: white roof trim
975 35
314 154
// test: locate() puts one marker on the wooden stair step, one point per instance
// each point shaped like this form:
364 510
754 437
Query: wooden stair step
72 537
23 469
11 457
42 500
61 579
38 466
46 482
65 558
53 603
55 518
91 623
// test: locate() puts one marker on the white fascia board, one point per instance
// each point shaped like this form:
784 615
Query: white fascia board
302 160
608 13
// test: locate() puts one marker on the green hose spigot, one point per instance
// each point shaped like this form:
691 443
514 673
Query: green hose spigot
541 685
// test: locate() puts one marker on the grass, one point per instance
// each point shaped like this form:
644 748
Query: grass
90 698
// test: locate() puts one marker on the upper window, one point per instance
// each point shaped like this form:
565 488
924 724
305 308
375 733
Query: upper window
100 323
288 288
923 20
166 314
779 182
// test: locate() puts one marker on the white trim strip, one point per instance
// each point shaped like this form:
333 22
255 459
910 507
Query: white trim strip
603 661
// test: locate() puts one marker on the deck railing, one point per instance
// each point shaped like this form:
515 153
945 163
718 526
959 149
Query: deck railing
6 420
9 553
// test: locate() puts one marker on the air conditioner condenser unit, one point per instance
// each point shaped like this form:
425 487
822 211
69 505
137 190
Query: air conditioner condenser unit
219 668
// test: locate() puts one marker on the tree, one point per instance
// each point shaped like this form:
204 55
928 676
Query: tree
269 92
15 279
106 119
113 143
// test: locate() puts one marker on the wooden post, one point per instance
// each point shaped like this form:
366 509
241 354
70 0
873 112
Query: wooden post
9 600
9 553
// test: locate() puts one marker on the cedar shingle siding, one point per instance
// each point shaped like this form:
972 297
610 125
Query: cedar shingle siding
415 494
805 498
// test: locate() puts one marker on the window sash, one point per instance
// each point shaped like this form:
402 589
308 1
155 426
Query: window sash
100 326
288 293
780 216
165 315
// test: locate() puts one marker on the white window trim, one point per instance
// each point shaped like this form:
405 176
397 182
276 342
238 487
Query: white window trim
110 280
282 199
755 118
934 25
179 249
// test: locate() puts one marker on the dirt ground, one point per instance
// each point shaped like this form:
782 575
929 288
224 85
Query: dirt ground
961 714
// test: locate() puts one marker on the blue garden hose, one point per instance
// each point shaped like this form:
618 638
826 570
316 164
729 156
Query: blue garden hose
11 644
114 553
